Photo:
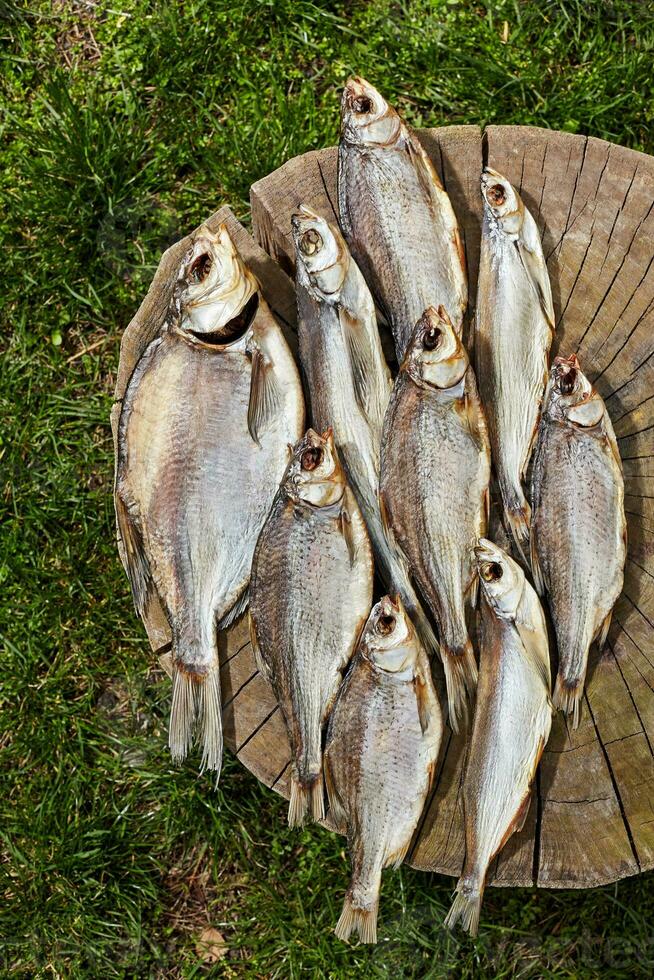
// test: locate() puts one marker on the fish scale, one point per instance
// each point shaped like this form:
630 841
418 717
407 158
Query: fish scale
578 525
382 744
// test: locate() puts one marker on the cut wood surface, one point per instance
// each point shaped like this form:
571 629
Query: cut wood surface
591 819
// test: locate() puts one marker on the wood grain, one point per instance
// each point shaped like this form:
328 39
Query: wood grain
591 819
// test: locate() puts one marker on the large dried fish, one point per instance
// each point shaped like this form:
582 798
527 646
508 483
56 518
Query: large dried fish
395 215
310 593
348 381
382 745
578 542
513 334
202 444
512 723
435 468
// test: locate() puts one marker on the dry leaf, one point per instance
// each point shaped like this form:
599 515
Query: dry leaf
211 945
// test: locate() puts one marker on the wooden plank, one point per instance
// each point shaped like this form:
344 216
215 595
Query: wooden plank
592 814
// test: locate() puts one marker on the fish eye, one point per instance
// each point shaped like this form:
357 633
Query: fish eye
567 382
311 458
496 195
310 242
385 625
491 571
431 338
201 267
362 105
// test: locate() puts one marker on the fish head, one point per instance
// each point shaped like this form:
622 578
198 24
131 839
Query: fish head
366 117
502 204
502 579
320 252
216 295
570 396
315 475
435 356
388 638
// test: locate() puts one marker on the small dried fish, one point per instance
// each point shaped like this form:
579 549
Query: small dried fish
512 723
349 381
513 334
435 468
395 215
382 745
310 593
578 531
202 444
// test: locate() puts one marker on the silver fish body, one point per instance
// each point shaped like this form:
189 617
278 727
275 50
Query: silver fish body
310 593
396 217
348 381
513 335
578 531
383 742
202 445
435 469
512 723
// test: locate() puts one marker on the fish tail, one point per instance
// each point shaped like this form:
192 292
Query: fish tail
567 697
461 674
363 921
465 908
307 798
196 710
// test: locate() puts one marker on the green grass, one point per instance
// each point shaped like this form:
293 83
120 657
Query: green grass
123 124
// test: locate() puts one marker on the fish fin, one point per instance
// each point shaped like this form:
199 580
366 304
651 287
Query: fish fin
536 570
460 680
261 664
236 611
355 341
518 518
472 591
534 641
265 396
518 821
347 531
611 439
166 663
604 630
363 921
531 256
465 909
423 700
336 808
395 859
138 567
306 799
196 706
567 697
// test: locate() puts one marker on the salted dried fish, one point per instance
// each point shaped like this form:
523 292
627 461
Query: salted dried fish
578 531
513 334
202 444
348 381
512 723
309 597
435 468
395 215
382 745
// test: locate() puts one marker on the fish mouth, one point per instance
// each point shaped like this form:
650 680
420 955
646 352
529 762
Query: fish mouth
359 96
485 550
234 329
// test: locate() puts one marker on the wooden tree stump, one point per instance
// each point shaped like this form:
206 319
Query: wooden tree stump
592 816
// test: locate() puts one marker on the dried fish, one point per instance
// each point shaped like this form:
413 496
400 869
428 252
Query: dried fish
349 381
202 444
396 216
310 593
512 723
513 334
578 531
382 745
435 468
